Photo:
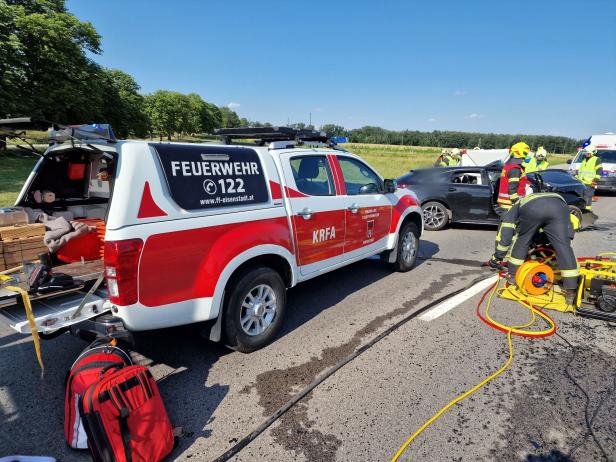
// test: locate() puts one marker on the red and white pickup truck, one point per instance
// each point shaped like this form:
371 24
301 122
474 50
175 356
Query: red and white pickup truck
199 232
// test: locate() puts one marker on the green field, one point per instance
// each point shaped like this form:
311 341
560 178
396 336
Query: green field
391 161
15 166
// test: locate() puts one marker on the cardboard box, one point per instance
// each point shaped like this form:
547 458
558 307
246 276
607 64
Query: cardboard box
8 233
16 251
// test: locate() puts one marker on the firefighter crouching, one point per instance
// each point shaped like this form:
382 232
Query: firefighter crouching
538 162
540 212
589 173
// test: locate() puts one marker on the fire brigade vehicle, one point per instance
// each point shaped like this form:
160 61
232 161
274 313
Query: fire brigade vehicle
211 232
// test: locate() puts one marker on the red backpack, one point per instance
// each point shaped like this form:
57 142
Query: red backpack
125 418
83 373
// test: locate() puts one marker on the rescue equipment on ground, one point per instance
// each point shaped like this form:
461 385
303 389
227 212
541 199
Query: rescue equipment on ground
535 290
596 294
85 371
124 416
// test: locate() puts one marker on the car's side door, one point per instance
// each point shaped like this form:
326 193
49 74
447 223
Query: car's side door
468 196
368 208
317 212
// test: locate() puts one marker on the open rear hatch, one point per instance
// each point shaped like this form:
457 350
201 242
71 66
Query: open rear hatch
58 310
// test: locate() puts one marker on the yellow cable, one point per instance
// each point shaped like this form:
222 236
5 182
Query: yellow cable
35 336
510 331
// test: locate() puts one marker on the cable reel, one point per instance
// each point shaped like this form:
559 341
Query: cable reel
534 278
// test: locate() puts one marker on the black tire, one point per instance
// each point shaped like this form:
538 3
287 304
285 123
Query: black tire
435 216
405 255
238 337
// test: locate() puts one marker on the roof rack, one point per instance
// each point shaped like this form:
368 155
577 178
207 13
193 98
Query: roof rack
270 134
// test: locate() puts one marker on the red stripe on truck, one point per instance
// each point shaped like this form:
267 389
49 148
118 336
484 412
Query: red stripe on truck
148 207
183 265
404 203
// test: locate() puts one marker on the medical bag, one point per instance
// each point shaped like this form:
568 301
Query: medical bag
85 371
125 418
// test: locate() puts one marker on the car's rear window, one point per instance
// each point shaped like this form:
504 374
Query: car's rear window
207 177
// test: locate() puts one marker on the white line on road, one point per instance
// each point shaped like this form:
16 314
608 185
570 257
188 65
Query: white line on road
454 301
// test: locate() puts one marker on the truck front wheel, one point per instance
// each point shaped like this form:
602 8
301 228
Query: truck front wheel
408 247
255 309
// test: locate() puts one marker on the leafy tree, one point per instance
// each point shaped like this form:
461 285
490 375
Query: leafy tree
334 130
44 68
166 111
121 104
229 118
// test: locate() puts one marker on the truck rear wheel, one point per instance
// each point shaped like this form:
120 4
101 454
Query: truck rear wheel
254 310
408 247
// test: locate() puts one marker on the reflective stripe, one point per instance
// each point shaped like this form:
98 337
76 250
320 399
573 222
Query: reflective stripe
502 248
527 199
514 196
508 225
515 261
570 273
514 180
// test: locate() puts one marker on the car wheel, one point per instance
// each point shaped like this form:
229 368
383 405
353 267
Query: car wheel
435 216
408 247
575 211
254 309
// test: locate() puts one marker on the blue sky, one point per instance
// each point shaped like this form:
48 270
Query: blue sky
537 67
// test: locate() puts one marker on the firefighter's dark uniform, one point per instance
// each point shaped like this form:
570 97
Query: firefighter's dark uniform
547 211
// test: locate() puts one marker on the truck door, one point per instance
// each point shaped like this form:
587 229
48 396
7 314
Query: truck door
317 213
368 209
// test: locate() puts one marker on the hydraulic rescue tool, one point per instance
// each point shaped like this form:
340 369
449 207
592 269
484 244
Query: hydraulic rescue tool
596 296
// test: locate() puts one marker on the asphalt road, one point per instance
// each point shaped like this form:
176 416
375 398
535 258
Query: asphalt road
536 411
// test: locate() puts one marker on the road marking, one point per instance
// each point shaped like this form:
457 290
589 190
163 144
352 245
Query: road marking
454 301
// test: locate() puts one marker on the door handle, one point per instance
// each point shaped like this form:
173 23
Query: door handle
353 208
452 189
306 214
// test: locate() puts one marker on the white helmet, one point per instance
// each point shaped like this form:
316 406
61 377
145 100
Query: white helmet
541 153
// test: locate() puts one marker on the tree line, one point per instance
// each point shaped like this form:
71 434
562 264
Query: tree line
46 72
452 139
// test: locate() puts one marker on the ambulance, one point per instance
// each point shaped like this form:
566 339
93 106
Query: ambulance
211 233
606 151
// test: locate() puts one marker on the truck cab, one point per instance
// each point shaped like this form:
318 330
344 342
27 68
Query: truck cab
219 231
606 151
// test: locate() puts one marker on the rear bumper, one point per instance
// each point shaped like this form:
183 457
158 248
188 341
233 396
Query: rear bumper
607 183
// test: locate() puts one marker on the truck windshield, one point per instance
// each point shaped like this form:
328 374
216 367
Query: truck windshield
607 157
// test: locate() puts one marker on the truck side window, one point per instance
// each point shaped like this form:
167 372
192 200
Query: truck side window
312 175
359 178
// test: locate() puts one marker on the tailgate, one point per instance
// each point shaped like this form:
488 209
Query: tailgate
54 313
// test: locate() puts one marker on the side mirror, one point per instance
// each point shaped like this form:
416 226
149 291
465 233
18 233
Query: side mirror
390 186
369 188
569 161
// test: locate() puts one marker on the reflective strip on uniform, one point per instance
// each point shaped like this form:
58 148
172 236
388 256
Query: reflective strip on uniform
570 273
502 248
508 225
527 199
514 196
514 180
515 261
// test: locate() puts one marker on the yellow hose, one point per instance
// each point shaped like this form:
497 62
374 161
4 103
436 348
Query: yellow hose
510 330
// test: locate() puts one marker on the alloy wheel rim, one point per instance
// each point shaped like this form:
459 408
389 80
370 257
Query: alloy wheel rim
433 216
258 310
409 247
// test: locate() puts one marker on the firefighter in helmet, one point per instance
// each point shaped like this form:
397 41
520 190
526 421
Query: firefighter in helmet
513 179
590 172
538 162
543 216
